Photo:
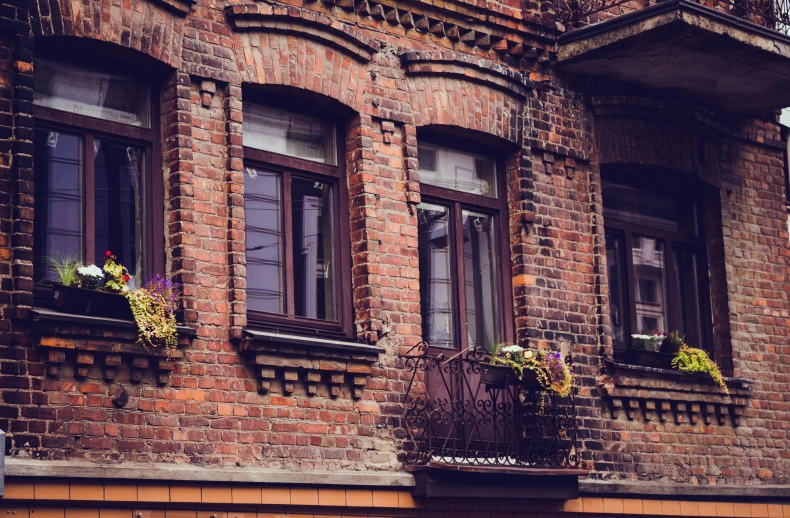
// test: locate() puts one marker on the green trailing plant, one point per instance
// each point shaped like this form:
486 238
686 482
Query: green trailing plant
65 267
696 361
673 343
153 307
550 370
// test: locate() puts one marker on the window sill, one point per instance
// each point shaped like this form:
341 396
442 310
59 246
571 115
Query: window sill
650 393
327 367
89 342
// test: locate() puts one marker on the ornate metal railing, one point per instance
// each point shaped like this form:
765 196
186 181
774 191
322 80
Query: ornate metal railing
772 14
454 418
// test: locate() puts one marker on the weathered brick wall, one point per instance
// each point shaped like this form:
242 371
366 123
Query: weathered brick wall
462 76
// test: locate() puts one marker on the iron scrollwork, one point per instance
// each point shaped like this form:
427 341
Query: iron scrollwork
453 418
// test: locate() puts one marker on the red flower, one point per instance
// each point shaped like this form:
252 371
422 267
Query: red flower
107 254
126 278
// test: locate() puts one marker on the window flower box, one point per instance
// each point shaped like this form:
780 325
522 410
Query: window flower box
97 303
501 376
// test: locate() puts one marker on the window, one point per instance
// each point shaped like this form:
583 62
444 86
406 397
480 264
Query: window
296 219
94 149
462 233
657 265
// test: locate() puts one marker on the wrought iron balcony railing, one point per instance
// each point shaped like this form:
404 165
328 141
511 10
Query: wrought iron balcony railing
771 14
456 415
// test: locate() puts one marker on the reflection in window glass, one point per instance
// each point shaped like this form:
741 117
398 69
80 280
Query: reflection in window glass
58 200
650 285
616 273
118 188
264 235
480 279
643 207
436 291
286 133
688 286
313 242
79 90
451 169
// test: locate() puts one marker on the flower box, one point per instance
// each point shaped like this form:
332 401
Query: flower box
95 303
501 376
649 359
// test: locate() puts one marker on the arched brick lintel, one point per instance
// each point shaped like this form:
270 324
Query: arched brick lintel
152 27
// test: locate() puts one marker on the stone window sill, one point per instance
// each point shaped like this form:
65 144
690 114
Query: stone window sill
88 342
285 363
650 394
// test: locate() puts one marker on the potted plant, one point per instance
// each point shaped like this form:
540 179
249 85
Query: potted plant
535 370
649 350
153 307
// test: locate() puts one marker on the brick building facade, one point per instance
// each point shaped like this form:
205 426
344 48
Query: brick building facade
291 388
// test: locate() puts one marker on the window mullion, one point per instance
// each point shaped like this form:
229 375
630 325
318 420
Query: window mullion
460 283
89 211
673 294
630 286
288 250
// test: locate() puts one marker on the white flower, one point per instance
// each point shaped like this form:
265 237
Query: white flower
528 354
90 271
512 349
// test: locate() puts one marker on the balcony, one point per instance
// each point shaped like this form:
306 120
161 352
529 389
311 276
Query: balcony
729 55
471 438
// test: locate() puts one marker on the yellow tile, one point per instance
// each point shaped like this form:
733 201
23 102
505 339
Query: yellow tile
15 511
246 495
86 491
572 506
82 512
652 507
153 493
18 491
217 495
707 509
689 508
180 513
632 506
613 505
385 498
304 496
725 509
359 498
786 510
760 510
149 513
185 494
743 510
212 514
115 513
332 497
275 496
775 511
242 514
47 512
406 500
670 507
51 491
120 492
592 505
272 515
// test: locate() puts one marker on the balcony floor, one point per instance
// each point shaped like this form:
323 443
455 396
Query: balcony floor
688 51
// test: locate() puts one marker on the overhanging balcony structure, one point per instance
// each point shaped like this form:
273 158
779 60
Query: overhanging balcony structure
730 55
470 436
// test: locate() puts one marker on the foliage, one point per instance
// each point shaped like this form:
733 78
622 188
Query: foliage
651 342
673 342
552 373
693 361
153 307
65 267
90 276
117 274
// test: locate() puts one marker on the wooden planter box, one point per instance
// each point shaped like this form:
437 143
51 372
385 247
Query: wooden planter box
97 303
501 376
650 359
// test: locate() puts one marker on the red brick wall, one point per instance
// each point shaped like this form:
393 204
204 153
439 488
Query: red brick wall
554 142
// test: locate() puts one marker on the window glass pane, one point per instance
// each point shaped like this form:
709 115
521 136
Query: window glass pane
480 277
263 212
649 284
118 187
617 308
690 293
451 169
646 208
313 241
436 288
58 200
288 133
74 89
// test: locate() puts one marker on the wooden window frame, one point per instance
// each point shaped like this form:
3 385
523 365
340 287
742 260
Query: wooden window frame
287 166
696 244
90 128
456 202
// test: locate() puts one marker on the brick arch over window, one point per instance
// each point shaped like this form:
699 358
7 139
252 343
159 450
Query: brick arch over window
298 48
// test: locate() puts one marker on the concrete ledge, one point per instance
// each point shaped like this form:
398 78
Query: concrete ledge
134 471
630 488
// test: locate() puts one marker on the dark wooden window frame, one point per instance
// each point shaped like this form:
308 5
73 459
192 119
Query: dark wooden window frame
90 128
456 202
697 244
288 166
